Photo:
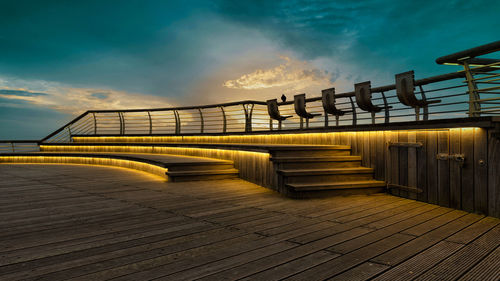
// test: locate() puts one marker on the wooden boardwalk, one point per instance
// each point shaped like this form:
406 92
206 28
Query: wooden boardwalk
93 223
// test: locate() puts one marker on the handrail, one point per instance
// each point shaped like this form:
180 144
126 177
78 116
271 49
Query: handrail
13 146
469 53
442 97
181 107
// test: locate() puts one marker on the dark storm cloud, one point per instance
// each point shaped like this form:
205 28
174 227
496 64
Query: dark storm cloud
375 34
20 93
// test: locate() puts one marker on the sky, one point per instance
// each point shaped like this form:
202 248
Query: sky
61 58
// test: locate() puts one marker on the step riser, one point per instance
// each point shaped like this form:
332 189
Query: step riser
310 153
200 167
200 177
319 165
328 178
330 193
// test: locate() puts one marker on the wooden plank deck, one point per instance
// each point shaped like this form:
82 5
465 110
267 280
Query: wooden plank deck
76 222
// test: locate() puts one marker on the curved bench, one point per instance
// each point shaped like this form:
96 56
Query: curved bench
171 167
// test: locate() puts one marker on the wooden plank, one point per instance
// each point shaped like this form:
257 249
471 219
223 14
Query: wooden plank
372 140
403 163
366 149
443 169
422 166
400 254
380 157
292 267
394 162
420 263
481 170
432 167
455 170
463 260
493 175
467 189
412 164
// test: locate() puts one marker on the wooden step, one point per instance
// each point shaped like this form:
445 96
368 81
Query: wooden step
317 162
336 185
326 175
199 175
333 171
319 151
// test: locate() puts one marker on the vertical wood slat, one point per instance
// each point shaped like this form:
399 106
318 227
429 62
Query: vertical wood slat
443 170
366 149
455 170
412 164
422 166
467 175
432 167
403 163
379 165
394 153
373 149
493 175
480 170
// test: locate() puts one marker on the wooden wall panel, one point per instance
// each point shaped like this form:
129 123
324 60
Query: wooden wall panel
444 169
412 164
403 163
421 159
455 170
432 167
481 170
493 175
467 171
473 187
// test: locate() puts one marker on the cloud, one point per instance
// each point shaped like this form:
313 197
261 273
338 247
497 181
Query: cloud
66 99
20 93
293 75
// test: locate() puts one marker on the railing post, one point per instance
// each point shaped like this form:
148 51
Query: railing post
474 105
122 125
13 146
95 123
69 133
224 120
353 106
202 125
248 117
386 109
150 124
177 123
426 107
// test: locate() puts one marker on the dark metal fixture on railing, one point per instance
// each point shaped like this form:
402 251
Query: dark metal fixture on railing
328 101
405 90
299 102
444 96
274 113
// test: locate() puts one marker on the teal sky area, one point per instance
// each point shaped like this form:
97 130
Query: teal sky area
61 58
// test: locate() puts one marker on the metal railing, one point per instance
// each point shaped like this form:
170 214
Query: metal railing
471 92
10 146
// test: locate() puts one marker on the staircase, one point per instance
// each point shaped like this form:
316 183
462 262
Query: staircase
323 171
295 170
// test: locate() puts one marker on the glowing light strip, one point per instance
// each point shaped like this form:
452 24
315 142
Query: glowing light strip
93 161
227 154
305 138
